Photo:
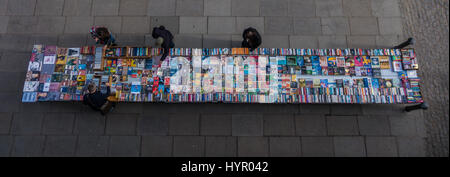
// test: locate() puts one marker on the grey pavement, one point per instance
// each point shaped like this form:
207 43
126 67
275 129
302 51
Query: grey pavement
154 129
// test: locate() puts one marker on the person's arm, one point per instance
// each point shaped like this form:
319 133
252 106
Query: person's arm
108 90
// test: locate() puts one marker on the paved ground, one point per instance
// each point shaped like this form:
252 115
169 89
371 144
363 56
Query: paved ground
145 129
428 23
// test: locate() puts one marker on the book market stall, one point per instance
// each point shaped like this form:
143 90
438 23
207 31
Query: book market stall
228 75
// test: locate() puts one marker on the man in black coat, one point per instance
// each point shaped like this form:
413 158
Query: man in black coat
97 100
164 38
252 39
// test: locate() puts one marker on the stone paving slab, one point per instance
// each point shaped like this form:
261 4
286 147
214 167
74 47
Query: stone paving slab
127 146
189 146
351 146
285 147
317 146
92 146
220 146
157 146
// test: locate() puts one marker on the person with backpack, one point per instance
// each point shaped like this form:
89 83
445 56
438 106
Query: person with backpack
102 36
164 39
252 39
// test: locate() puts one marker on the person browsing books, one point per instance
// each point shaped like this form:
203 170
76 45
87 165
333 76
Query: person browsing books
97 100
102 36
164 39
252 39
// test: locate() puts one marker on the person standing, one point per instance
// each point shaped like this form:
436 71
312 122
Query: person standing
252 39
101 35
164 39
97 100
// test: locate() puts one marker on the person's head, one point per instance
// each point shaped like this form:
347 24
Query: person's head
156 31
99 33
92 88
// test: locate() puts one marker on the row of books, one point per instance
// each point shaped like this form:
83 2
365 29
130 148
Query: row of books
265 98
300 52
148 51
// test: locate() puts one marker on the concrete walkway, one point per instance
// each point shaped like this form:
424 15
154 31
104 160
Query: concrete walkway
145 129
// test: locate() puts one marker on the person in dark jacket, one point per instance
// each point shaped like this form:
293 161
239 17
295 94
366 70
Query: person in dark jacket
97 100
252 39
163 38
102 36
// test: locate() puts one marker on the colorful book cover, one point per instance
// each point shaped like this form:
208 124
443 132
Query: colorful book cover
73 52
50 50
324 83
360 83
324 71
369 71
341 71
61 60
59 68
30 86
402 75
291 60
359 62
136 87
375 62
81 66
323 61
331 71
332 83
396 82
340 61
376 72
309 69
331 61
29 97
365 82
34 66
384 62
352 71
339 83
307 59
300 61
412 74
336 71
375 83
388 83
316 83
309 83
347 83
397 66
148 64
301 82
367 62
316 69
349 62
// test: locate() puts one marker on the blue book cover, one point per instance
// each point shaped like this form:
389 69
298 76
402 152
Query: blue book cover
135 88
365 81
148 64
281 60
316 68
29 97
324 83
81 66
375 83
300 61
